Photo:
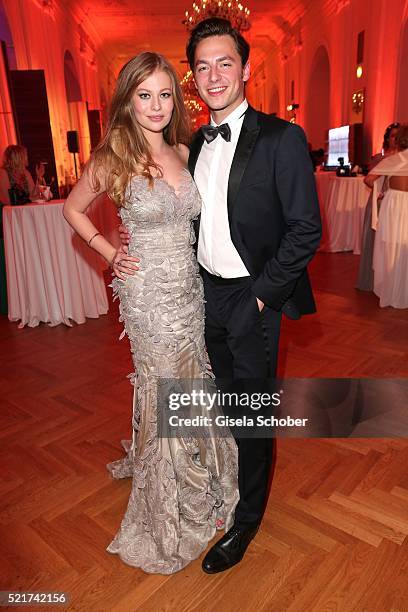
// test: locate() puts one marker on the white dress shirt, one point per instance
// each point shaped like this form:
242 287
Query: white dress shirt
216 252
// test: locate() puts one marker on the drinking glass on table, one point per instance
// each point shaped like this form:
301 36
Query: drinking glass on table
44 192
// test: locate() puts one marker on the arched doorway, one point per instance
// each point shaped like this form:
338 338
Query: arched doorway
401 110
274 101
318 99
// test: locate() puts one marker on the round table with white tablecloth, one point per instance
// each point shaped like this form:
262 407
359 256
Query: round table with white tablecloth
52 275
342 204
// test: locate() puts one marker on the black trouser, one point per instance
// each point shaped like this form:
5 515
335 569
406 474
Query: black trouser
242 343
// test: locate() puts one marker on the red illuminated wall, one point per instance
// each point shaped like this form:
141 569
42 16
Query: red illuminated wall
41 38
334 26
316 59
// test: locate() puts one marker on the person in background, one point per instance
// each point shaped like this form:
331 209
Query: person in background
365 279
16 187
390 258
16 183
317 158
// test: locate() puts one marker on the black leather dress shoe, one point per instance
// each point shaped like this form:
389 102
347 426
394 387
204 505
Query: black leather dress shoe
229 550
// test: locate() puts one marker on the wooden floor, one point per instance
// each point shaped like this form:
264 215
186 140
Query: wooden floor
335 533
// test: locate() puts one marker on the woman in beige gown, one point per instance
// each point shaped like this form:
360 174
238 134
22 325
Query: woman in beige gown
183 489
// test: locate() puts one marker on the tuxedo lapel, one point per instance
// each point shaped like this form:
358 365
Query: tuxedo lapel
195 149
245 145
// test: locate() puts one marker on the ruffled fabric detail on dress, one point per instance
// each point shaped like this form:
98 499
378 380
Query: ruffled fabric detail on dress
182 491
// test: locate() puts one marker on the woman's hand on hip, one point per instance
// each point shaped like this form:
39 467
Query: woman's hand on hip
123 264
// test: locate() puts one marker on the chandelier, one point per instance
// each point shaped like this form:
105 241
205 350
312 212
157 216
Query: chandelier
191 101
187 84
232 10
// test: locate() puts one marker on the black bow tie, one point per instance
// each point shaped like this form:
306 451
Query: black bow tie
211 132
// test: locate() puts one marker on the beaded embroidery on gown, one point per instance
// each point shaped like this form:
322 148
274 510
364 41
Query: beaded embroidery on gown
183 489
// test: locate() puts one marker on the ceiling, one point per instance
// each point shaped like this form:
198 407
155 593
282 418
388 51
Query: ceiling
123 28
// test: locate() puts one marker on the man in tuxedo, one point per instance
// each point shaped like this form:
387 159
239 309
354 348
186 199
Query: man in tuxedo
259 228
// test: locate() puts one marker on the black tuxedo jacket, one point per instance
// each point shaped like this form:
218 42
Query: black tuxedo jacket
273 209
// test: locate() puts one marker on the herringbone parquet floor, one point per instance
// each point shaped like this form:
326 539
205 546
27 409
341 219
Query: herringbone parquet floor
335 533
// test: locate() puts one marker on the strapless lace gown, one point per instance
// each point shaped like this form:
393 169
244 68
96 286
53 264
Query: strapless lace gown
182 489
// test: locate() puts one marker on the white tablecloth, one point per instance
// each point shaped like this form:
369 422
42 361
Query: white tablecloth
323 180
342 205
52 275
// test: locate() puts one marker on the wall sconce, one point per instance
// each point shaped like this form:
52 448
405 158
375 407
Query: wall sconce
291 108
358 101
359 71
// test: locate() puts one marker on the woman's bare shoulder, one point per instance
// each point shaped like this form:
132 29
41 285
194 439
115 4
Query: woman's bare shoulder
183 151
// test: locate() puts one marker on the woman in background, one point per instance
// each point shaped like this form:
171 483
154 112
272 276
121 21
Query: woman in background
16 183
16 187
365 280
183 489
390 260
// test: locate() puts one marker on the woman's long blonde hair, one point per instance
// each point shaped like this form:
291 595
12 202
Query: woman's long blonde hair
124 149
15 161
